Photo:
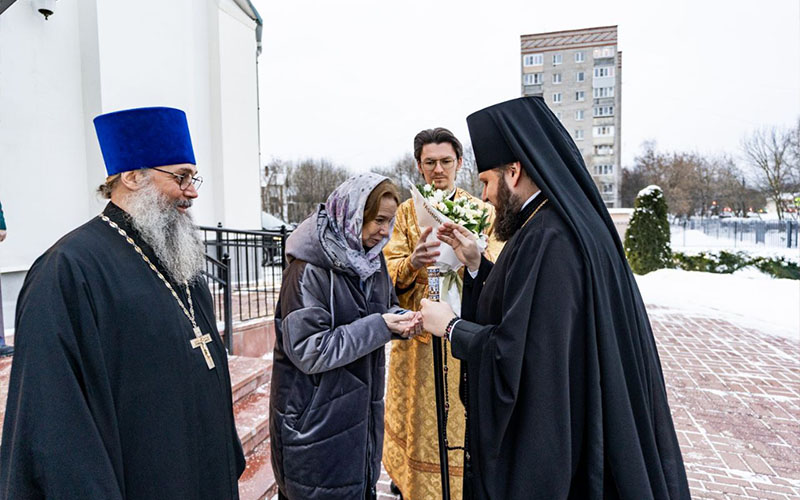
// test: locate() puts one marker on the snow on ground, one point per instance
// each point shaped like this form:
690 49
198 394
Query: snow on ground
747 298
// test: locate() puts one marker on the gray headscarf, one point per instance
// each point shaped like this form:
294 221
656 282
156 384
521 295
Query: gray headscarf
345 209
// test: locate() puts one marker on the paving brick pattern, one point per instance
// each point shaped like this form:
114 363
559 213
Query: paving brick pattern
735 399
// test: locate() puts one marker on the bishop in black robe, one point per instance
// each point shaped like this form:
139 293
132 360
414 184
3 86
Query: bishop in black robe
107 398
565 394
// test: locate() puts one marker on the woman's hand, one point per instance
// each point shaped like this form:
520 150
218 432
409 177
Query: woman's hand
464 244
406 325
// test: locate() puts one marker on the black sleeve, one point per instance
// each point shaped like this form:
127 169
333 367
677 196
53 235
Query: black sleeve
57 423
472 289
521 371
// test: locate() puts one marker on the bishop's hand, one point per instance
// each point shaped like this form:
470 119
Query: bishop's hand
463 242
436 316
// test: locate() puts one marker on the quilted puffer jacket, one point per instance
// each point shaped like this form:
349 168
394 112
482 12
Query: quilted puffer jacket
326 400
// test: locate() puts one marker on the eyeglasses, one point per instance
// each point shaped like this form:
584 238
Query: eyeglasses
184 180
447 163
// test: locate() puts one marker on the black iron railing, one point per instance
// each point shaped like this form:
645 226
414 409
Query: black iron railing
244 271
739 232
216 275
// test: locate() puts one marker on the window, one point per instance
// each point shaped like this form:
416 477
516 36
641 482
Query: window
579 115
558 115
608 188
603 92
580 56
604 52
580 95
604 149
603 71
604 111
557 59
604 131
532 60
556 77
580 76
557 97
578 134
532 79
604 169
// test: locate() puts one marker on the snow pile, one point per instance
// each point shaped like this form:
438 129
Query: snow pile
650 189
747 298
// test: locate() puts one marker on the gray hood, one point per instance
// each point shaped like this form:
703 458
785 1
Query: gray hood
314 242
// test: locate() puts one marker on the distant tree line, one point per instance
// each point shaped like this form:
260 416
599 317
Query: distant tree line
693 184
291 190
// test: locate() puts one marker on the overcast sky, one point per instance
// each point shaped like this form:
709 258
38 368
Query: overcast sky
354 80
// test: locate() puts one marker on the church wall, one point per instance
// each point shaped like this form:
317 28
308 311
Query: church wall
239 168
147 58
43 182
93 57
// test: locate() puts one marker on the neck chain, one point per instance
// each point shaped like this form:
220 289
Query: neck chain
200 340
534 213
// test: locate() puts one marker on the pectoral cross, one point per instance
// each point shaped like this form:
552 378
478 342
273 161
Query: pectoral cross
200 341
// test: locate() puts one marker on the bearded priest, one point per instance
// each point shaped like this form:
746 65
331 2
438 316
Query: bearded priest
119 386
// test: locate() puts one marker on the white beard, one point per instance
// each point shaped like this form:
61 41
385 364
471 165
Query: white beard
172 234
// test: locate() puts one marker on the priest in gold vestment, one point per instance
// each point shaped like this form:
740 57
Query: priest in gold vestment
411 446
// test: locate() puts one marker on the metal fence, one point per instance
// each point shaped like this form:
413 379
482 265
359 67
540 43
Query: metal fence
243 271
735 232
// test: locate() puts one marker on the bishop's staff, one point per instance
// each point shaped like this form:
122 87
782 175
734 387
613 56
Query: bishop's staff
434 274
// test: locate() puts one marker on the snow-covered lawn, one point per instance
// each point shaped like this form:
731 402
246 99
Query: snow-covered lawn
747 298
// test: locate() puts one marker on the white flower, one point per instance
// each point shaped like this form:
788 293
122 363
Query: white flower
438 195
441 207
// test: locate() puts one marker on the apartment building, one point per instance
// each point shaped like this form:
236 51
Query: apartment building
578 73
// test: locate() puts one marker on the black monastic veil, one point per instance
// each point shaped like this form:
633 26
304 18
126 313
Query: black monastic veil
566 395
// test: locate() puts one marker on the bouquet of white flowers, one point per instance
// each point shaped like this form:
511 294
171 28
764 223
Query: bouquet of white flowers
434 209
462 210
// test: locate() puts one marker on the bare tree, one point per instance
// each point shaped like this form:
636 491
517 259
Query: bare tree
403 172
467 178
692 184
309 183
769 153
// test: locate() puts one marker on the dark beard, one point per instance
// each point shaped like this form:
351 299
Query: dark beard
507 218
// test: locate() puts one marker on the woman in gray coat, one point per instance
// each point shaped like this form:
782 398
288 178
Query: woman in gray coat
337 309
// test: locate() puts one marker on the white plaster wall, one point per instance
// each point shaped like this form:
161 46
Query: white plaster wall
147 57
239 169
97 56
42 156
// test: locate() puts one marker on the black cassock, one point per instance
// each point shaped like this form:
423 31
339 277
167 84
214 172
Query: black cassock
556 409
107 398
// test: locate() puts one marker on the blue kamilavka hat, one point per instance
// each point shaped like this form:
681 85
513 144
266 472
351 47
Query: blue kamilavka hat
143 138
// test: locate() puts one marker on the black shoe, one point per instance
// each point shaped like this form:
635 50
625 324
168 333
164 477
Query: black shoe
394 489
6 350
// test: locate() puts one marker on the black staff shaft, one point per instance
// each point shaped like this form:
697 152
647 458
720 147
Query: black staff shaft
440 420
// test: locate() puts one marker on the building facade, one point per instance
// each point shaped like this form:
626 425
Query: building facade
578 73
92 57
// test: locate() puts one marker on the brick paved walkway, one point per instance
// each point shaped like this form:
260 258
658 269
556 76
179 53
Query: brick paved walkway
735 398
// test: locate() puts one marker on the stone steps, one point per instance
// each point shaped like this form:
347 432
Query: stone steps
250 382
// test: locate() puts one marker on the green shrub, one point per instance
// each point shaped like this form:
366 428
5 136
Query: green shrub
647 237
729 262
778 267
